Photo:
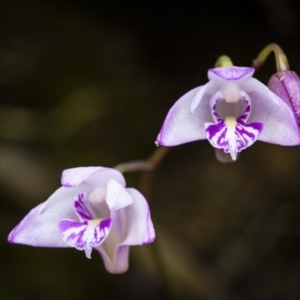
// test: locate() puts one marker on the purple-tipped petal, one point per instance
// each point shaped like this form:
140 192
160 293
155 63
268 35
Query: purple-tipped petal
230 73
97 176
84 235
117 196
40 228
180 126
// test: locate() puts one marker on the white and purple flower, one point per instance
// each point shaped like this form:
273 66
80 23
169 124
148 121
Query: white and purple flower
232 111
92 210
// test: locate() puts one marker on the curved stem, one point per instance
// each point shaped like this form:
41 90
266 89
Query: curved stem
148 165
281 59
223 61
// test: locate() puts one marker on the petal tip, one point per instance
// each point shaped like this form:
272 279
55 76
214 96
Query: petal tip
149 241
10 238
158 142
75 176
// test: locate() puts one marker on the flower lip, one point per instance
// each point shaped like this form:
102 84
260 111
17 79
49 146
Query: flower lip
232 134
230 73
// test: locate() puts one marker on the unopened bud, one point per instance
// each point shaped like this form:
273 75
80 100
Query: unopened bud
286 85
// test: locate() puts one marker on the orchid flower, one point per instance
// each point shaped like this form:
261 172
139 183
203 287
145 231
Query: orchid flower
92 210
231 111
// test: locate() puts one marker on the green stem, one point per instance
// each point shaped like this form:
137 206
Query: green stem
281 59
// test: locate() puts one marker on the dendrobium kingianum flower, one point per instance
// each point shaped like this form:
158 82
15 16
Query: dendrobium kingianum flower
92 210
232 111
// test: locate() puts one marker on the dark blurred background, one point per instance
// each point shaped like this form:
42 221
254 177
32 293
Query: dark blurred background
86 84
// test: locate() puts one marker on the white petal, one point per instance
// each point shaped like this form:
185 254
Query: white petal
63 194
180 126
132 225
94 175
139 227
117 196
280 125
198 97
119 263
40 229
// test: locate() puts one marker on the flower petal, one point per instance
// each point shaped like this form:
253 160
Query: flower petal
75 176
199 96
138 228
233 135
117 196
95 175
132 226
180 126
63 194
280 125
40 228
230 73
84 235
119 263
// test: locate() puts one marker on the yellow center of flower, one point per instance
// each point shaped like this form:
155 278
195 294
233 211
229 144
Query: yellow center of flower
95 221
230 122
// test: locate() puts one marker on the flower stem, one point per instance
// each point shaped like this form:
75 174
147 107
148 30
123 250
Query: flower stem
148 168
281 59
148 165
223 61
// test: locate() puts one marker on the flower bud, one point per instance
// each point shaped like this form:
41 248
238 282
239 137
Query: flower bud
286 85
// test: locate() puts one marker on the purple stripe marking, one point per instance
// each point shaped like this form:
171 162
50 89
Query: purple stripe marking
84 235
244 134
80 205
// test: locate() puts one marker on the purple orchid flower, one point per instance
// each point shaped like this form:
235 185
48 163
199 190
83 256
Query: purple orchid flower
92 210
232 111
